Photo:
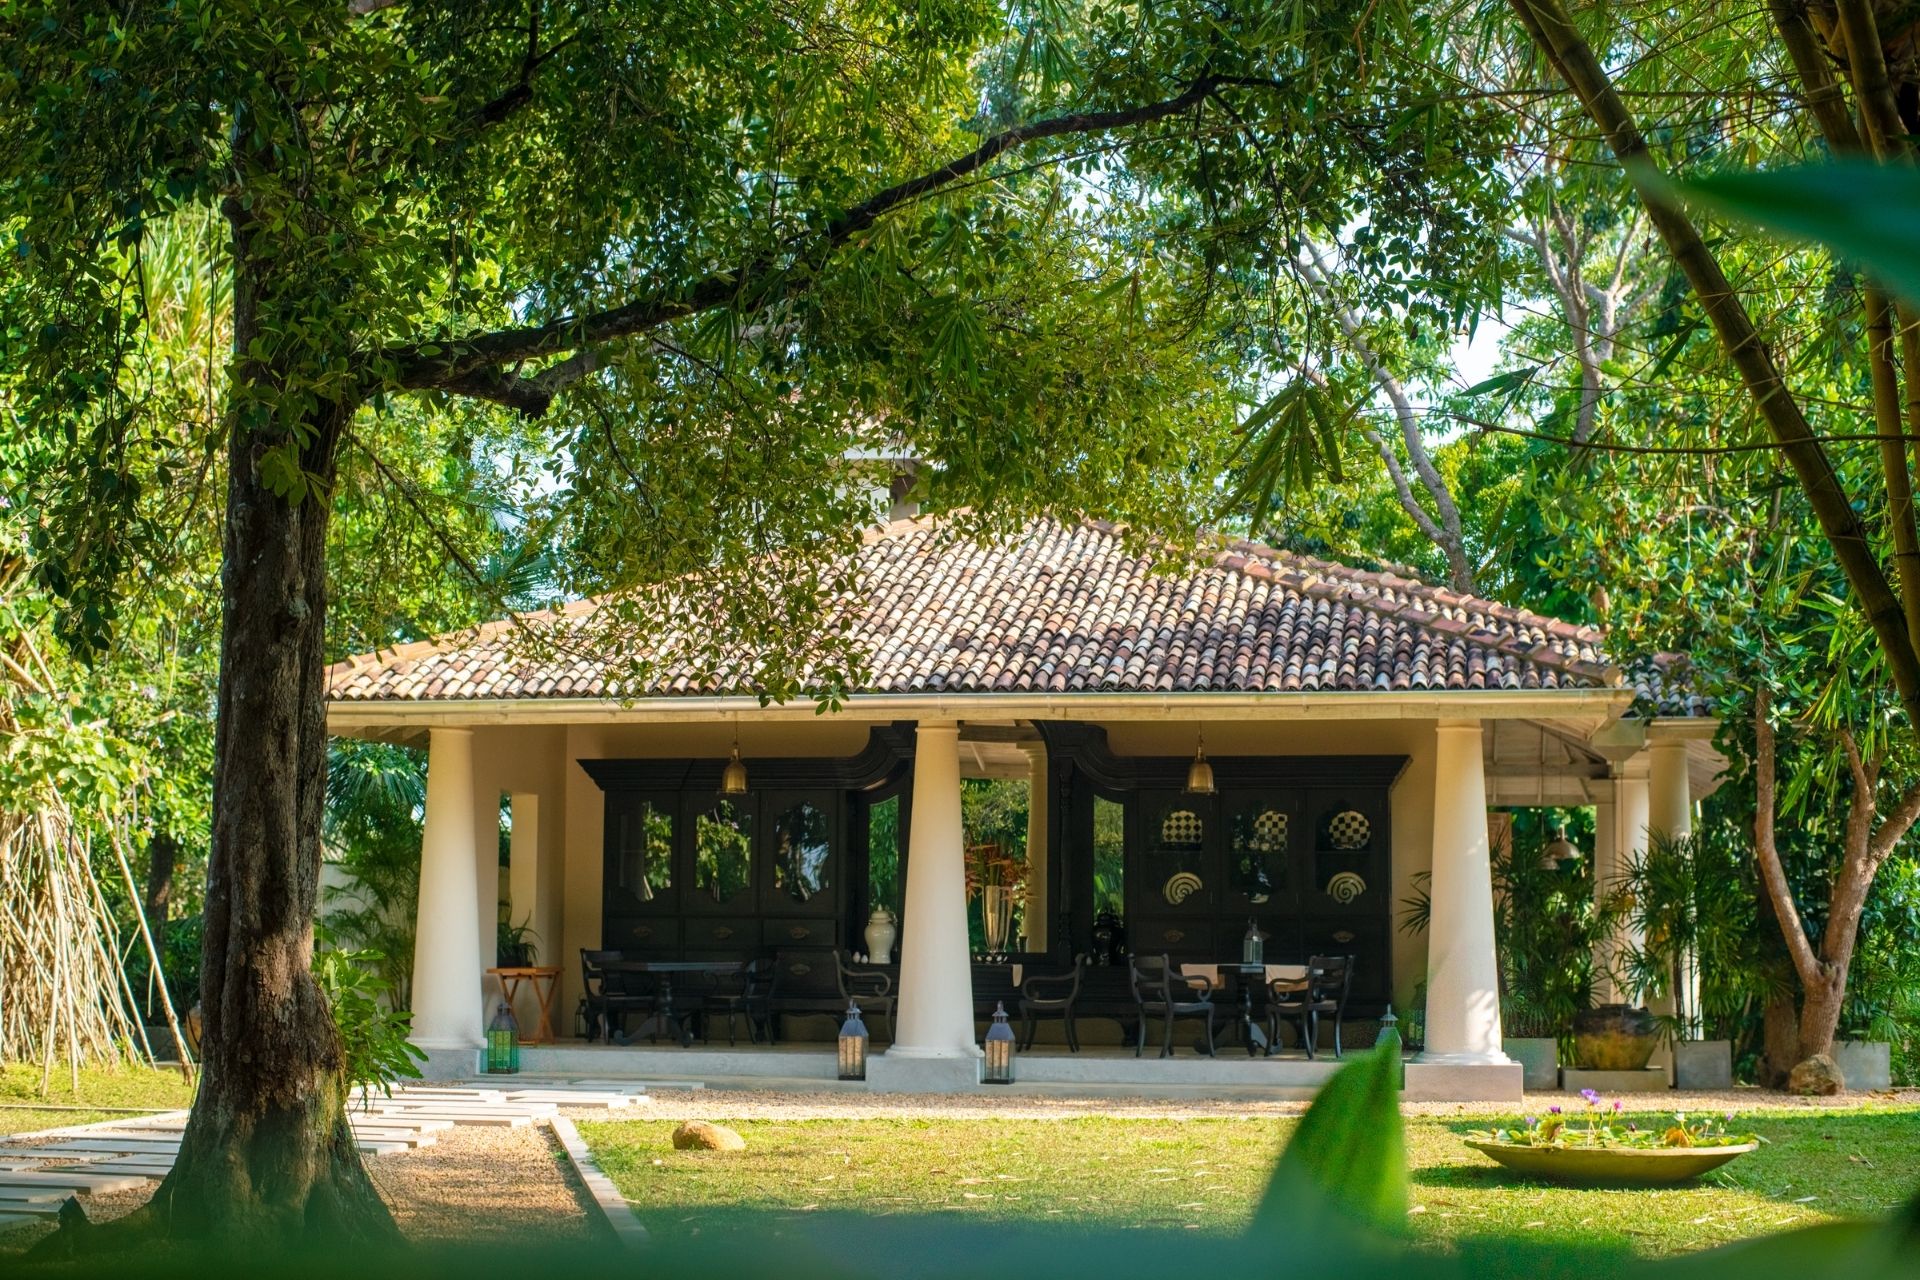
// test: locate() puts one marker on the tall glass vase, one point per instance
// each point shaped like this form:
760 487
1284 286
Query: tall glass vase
996 913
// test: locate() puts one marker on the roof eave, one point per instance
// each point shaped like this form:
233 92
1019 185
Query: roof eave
352 718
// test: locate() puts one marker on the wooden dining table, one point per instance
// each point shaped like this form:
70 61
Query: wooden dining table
1268 979
663 1014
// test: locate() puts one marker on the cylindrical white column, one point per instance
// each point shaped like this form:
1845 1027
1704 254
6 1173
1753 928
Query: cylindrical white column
1463 980
447 997
1669 792
1039 898
1670 813
936 974
1611 869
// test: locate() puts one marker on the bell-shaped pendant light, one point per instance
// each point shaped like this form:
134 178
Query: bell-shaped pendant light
733 778
1200 773
1560 851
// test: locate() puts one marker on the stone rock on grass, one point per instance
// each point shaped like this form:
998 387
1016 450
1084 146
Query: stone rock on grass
1818 1076
698 1135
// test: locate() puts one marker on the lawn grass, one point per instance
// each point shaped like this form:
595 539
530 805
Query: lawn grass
1207 1175
150 1088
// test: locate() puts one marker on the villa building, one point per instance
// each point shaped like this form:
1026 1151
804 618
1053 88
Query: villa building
1360 726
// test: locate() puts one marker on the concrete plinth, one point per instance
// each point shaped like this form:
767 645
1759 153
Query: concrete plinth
1442 1082
890 1073
1866 1064
1645 1080
1703 1064
453 1064
1539 1059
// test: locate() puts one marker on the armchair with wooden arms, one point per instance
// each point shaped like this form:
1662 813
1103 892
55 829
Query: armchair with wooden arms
1161 992
1052 995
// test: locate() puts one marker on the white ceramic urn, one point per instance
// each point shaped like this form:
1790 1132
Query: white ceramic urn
881 935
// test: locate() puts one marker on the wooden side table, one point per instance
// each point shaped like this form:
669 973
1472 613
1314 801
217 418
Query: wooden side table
545 983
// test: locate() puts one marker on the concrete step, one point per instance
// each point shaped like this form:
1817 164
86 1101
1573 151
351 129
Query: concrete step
74 1180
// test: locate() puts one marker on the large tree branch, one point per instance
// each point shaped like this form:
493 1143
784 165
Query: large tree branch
471 365
1553 31
1772 872
1446 532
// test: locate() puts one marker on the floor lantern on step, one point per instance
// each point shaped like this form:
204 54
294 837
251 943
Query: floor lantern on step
853 1045
999 1064
503 1043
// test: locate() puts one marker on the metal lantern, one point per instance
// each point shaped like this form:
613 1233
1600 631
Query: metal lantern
1560 852
853 1045
999 1065
733 778
1253 947
1389 1028
1200 773
503 1043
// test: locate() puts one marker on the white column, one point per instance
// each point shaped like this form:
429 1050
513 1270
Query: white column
1670 813
1463 981
936 975
1613 860
1039 898
447 999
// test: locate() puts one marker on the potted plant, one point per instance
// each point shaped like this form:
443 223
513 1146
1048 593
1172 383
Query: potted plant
1692 901
1604 1146
514 944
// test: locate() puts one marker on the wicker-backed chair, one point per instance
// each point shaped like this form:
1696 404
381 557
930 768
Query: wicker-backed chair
1050 996
1160 992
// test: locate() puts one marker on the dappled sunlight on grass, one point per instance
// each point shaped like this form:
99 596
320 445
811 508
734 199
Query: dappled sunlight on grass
1207 1174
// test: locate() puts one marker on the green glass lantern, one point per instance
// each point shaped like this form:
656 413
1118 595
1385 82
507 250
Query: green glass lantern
999 1065
853 1045
503 1043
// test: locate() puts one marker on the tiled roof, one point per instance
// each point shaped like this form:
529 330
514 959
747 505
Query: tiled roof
1069 609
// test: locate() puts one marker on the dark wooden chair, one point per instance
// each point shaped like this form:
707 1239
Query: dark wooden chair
749 993
1324 991
871 988
1159 991
1052 995
611 994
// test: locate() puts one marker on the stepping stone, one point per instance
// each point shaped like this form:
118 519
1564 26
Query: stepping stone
10 1197
80 1183
497 1121
143 1168
8 1221
381 1148
121 1146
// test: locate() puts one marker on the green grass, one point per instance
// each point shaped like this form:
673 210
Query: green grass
143 1087
1208 1174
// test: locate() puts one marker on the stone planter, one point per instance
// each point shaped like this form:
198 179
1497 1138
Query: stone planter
1866 1064
1703 1064
1614 1037
1611 1166
1539 1058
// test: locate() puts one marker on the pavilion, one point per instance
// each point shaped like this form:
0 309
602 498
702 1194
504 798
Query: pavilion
1360 726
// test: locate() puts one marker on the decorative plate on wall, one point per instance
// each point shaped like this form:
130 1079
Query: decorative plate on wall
1270 831
1180 886
1349 829
1345 887
1181 829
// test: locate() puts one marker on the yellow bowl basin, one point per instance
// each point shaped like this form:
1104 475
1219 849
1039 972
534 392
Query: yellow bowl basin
1612 1166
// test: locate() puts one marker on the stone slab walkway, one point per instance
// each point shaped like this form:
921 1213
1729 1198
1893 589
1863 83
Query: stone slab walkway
39 1172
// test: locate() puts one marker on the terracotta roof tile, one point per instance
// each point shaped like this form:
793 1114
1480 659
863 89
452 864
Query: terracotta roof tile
1066 608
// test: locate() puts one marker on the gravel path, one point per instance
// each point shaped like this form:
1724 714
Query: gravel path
479 1184
754 1104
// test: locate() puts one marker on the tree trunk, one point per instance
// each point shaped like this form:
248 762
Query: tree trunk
1820 1009
1780 1047
162 852
267 1156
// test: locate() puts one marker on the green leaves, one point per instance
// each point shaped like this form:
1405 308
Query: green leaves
1348 1155
1865 212
1287 443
